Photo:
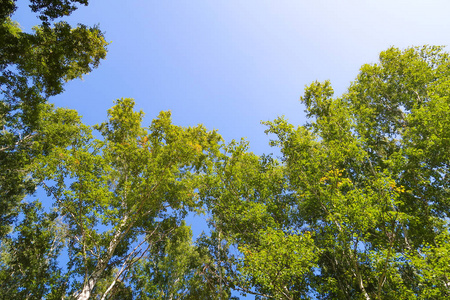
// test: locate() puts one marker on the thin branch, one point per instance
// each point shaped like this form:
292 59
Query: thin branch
125 266
20 141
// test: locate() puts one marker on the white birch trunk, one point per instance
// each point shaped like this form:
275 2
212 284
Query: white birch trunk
102 263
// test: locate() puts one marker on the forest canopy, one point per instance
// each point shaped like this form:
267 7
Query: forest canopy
355 207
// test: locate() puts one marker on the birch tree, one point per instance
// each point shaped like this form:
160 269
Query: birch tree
121 194
358 206
33 67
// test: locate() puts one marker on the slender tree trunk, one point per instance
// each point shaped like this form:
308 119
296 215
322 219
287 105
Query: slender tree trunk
103 262
89 286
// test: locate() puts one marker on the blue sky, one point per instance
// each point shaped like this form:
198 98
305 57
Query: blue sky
230 64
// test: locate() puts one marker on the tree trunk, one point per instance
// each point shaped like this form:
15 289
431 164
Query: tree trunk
103 262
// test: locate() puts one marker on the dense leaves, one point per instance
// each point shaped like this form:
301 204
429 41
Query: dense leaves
370 181
358 206
29 262
120 195
33 67
52 9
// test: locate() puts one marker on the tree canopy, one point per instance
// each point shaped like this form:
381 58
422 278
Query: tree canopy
33 67
356 206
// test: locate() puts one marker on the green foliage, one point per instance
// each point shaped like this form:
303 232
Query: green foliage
369 180
34 66
48 9
52 9
29 261
121 195
173 269
358 207
280 263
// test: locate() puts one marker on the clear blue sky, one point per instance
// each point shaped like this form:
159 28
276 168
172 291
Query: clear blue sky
230 63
